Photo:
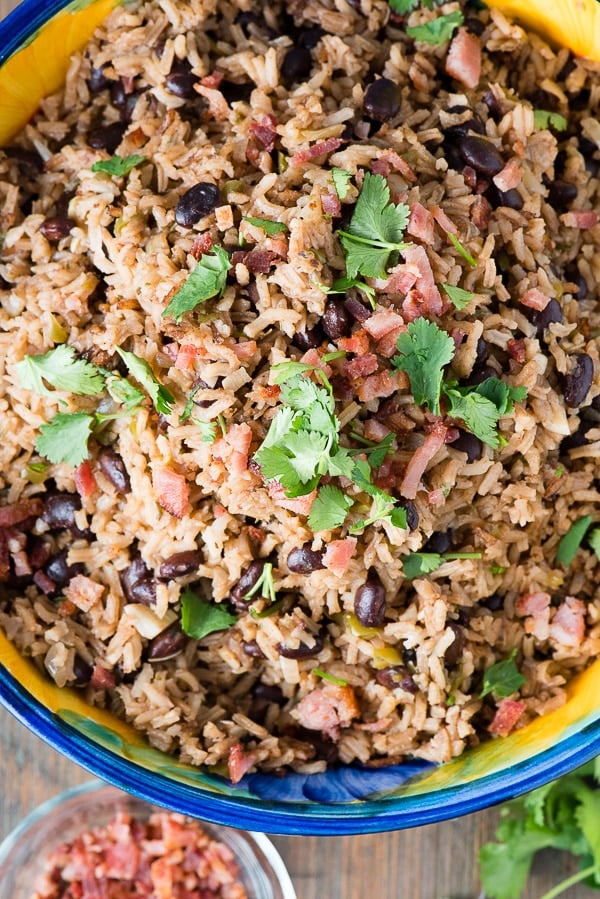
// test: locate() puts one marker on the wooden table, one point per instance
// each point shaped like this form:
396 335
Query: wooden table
427 863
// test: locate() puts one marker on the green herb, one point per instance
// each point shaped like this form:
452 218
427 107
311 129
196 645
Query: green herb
463 252
439 30
266 613
65 438
117 165
385 507
267 225
163 400
402 7
341 285
419 564
376 452
189 406
200 617
543 118
206 281
329 677
559 471
61 368
329 509
425 349
264 584
375 230
341 182
222 425
208 430
498 569
479 414
458 297
561 815
570 543
123 391
594 541
503 679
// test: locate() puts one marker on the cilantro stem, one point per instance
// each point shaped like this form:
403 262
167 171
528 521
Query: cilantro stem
375 242
463 252
569 882
222 425
449 556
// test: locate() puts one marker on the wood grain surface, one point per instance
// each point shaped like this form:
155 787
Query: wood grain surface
425 863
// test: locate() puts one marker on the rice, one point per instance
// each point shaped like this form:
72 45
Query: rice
340 656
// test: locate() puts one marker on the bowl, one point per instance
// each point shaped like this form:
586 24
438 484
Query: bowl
344 800
24 851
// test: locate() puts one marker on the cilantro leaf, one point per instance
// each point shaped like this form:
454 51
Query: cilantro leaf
385 507
206 281
123 391
503 678
402 7
463 252
504 866
418 564
341 181
594 541
425 349
329 509
570 543
438 30
543 118
285 371
118 165
376 452
161 397
479 414
268 226
341 285
61 368
200 617
65 438
458 297
503 396
208 430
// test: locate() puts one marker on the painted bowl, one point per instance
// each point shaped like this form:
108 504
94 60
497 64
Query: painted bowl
35 43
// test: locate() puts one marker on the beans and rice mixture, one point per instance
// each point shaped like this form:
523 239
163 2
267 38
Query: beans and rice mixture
300 379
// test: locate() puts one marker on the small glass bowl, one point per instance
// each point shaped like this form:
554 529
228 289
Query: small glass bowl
24 852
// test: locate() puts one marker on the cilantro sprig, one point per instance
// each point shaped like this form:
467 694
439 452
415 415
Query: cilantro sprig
418 564
161 397
65 438
572 540
385 507
118 165
268 226
206 281
543 118
200 617
329 509
62 369
503 679
439 30
459 297
341 182
264 586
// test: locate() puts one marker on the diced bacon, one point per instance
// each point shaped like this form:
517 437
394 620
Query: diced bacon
336 557
580 218
21 563
375 430
532 603
301 505
517 350
245 349
278 245
101 678
381 323
387 345
15 513
534 299
172 491
328 709
331 204
507 715
383 384
361 366
259 261
414 306
357 343
217 103
234 447
421 459
212 80
322 148
44 583
445 223
416 255
186 357
421 223
457 335
122 860
84 592
311 357
401 278
509 177
568 624
265 132
85 483
171 350
162 874
201 245
463 61
389 160
239 762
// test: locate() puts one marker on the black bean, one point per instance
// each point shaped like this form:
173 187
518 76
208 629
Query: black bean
573 275
469 444
252 649
304 560
439 542
482 352
118 97
268 693
491 101
309 340
396 676
382 100
29 162
247 581
578 382
303 651
182 84
494 603
481 155
479 374
510 198
336 321
107 137
412 514
57 227
296 66
82 672
58 569
409 657
97 81
454 652
541 318
235 91
357 310
113 468
561 193
197 202
168 644
456 133
180 564
59 514
474 25
138 584
310 37
370 602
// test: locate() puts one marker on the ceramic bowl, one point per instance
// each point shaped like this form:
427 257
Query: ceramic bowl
35 42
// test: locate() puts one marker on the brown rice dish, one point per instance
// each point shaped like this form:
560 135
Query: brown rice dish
299 380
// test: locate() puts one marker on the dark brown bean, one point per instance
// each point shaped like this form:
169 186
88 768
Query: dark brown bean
370 601
98 81
252 649
118 97
552 312
182 84
113 468
510 198
309 340
578 382
310 37
469 444
29 162
409 657
336 321
247 581
382 100
180 564
561 193
59 514
268 693
57 227
58 569
474 25
454 652
82 672
196 203
107 137
138 584
494 603
491 101
439 542
168 644
304 560
396 677
304 651
412 514
357 310
481 154
296 66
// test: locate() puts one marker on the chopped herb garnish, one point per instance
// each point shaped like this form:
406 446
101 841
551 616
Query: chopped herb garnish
329 509
118 165
200 617
425 349
341 285
222 425
498 569
206 281
543 118
341 182
479 414
161 397
375 230
503 678
61 368
594 541
458 297
266 613
385 507
208 430
402 7
570 543
463 252
65 438
318 672
123 391
189 406
376 452
418 564
268 226
438 30
265 585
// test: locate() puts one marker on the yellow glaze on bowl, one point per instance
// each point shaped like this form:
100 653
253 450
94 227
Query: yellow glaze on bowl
572 23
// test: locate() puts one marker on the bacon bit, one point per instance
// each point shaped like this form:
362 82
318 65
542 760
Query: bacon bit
312 357
421 223
219 510
43 582
84 592
583 219
301 505
239 762
361 366
532 603
416 255
375 430
172 491
382 384
401 278
217 103
322 148
568 624
481 211
463 61
102 679
509 177
265 132
15 513
382 323
212 80
516 349
358 343
507 715
535 299
328 709
201 245
85 483
457 335
233 449
336 557
186 357
421 458
389 160
331 204
445 223
66 608
245 349
259 261
387 345
278 245
21 563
